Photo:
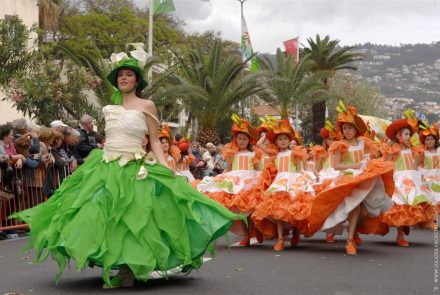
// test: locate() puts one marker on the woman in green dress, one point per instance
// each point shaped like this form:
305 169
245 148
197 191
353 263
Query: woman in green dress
123 209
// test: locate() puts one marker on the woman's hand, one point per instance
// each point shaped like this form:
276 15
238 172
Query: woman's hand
19 164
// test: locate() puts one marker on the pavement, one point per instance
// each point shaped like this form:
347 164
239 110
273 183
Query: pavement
313 267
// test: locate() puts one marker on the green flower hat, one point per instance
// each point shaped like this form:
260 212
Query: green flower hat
122 61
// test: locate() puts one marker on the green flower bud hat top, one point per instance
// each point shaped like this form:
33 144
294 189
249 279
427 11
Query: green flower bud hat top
136 63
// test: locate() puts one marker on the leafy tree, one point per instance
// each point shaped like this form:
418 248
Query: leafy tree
211 85
16 50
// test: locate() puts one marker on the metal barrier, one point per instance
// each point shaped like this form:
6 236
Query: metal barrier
22 189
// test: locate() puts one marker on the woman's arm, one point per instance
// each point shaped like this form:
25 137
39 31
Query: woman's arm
153 127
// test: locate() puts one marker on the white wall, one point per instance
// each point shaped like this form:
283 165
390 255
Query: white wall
27 10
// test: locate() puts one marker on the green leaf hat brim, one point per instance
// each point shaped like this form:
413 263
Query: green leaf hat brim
132 65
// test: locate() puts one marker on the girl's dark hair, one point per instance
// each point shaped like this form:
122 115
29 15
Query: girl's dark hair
5 129
249 146
396 140
436 145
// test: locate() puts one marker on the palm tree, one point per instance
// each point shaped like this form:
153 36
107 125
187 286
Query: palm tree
292 84
326 57
210 85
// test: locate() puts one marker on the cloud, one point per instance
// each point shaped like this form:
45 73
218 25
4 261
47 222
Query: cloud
357 21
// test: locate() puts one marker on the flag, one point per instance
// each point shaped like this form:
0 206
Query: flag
292 48
246 47
163 6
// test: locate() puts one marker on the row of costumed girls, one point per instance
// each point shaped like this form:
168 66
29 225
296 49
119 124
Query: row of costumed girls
286 189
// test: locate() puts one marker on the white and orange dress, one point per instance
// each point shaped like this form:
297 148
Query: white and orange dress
431 175
411 198
289 198
371 186
326 170
233 189
182 167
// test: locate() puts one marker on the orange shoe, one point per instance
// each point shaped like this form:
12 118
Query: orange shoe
259 236
357 240
350 249
401 242
295 238
330 238
279 246
246 242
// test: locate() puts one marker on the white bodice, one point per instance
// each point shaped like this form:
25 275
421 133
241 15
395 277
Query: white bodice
125 132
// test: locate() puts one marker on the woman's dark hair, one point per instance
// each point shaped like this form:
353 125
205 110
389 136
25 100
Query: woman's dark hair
138 79
5 129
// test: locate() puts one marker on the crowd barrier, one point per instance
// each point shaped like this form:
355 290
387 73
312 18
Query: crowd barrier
22 189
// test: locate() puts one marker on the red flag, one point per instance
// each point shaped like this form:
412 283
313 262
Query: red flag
292 48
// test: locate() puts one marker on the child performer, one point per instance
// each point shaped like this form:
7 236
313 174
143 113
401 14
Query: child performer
171 151
289 198
411 202
325 163
429 136
186 159
233 188
361 189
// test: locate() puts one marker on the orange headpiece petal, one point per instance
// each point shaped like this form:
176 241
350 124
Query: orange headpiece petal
243 126
432 130
349 115
283 127
165 132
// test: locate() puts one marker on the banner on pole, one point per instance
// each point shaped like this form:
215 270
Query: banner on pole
163 6
246 46
292 48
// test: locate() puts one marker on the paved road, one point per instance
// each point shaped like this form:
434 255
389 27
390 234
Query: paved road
311 268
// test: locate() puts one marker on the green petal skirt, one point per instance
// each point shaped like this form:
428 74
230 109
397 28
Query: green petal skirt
103 215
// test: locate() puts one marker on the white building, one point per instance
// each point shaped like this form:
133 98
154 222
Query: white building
27 11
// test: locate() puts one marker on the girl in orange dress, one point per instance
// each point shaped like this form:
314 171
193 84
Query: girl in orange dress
234 187
430 164
171 151
186 159
363 188
288 200
412 203
325 163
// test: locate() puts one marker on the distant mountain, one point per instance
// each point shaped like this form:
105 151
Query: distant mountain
410 71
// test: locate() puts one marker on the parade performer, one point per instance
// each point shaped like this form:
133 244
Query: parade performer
412 204
288 200
120 210
186 159
325 162
170 150
429 136
234 187
362 188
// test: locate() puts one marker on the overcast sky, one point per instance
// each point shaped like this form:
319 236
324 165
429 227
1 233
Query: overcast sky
355 21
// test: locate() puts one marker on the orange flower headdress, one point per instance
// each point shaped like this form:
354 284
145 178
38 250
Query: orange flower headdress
281 127
370 133
349 115
184 144
410 121
165 132
243 126
266 124
427 130
331 131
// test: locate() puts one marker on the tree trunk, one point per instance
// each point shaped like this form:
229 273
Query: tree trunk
318 113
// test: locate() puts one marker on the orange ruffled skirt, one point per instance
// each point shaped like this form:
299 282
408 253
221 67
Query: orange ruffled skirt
328 200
